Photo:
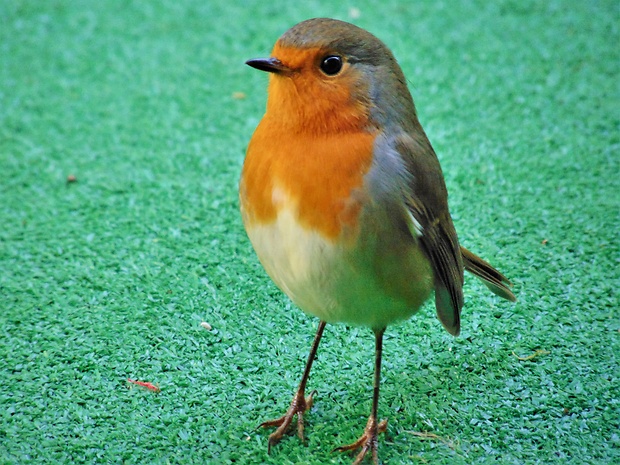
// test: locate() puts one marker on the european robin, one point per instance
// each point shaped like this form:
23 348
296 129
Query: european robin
344 201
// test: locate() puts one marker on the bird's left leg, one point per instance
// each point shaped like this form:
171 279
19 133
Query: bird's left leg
368 441
300 402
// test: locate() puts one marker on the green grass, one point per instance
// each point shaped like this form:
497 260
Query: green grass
110 277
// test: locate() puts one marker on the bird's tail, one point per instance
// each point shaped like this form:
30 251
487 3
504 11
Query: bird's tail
493 279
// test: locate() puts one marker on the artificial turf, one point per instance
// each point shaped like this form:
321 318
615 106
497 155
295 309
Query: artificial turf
150 107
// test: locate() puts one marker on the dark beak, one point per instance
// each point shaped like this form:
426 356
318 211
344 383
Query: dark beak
271 65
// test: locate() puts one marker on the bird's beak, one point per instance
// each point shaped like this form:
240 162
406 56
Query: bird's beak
271 65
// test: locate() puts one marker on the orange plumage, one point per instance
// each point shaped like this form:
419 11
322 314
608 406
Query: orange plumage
309 134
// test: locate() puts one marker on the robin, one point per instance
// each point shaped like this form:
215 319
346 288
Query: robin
344 201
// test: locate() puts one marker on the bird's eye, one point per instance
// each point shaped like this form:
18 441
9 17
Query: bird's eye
331 65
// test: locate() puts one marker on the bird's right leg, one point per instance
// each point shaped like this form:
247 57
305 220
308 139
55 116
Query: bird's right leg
368 441
300 402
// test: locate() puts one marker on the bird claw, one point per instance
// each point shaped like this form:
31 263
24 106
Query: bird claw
368 441
299 405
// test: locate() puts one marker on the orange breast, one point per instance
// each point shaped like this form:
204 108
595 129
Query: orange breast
316 175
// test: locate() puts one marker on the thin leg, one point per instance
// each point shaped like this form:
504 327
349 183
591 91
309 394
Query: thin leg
368 440
299 404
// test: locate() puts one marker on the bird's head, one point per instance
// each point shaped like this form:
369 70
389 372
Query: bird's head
329 75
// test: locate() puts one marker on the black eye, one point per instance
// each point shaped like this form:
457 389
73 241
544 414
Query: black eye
331 65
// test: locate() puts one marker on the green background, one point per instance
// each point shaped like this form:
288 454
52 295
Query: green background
110 277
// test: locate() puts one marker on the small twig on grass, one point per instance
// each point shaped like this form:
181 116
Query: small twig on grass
531 356
434 437
144 384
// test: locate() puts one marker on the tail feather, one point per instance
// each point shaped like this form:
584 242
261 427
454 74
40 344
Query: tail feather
493 279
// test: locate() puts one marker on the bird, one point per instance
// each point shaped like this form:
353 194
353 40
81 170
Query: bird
344 201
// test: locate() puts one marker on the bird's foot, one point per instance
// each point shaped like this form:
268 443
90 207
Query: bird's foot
298 406
368 441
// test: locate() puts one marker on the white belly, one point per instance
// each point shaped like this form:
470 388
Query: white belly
378 277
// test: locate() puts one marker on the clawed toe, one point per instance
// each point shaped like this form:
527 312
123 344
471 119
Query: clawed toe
299 406
368 441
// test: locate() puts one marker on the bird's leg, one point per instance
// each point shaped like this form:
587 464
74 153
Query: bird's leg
368 440
300 402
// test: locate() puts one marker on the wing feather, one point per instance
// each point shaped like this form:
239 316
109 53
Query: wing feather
427 202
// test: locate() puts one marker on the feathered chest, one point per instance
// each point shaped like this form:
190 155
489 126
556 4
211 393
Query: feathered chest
317 179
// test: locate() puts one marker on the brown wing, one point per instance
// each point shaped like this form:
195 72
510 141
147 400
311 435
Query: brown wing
427 201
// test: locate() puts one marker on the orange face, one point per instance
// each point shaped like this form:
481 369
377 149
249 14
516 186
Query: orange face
307 99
